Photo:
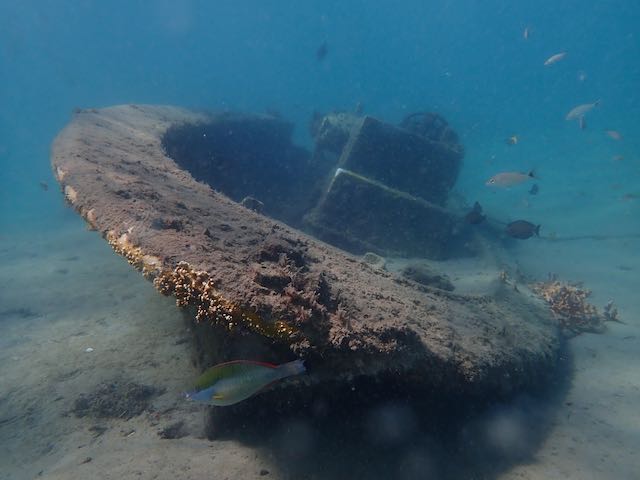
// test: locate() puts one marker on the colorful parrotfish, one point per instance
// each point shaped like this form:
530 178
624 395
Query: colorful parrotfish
232 382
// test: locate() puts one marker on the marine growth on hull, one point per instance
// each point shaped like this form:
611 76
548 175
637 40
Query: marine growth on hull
223 212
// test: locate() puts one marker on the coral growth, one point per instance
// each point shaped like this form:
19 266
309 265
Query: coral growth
306 298
71 194
148 264
196 288
569 302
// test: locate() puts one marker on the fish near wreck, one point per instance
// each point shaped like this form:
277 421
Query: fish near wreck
554 58
475 216
231 382
425 339
614 134
509 179
578 112
521 229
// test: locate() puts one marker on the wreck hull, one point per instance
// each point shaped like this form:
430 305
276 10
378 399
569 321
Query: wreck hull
274 293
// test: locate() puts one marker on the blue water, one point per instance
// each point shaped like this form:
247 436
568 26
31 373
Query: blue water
465 59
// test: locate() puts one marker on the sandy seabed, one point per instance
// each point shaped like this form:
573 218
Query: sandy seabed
65 292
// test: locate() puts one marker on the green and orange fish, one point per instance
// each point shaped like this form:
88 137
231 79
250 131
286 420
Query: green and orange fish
232 382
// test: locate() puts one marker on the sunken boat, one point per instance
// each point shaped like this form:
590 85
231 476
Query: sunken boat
218 211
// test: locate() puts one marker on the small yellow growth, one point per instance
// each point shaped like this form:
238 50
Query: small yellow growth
149 265
71 194
193 287
60 174
90 216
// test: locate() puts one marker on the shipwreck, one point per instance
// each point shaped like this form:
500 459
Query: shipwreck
260 242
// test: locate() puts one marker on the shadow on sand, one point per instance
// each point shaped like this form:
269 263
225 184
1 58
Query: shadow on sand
399 435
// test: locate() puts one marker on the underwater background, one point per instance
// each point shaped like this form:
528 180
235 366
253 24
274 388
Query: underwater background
467 60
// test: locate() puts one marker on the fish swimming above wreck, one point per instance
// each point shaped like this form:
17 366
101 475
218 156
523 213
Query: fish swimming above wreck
231 382
614 134
509 179
521 229
475 216
578 112
554 58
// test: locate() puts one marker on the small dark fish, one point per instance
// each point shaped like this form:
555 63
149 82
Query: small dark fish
475 216
44 186
522 229
322 51
534 189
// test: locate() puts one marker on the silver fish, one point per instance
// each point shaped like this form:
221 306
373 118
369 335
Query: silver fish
509 179
581 110
554 58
